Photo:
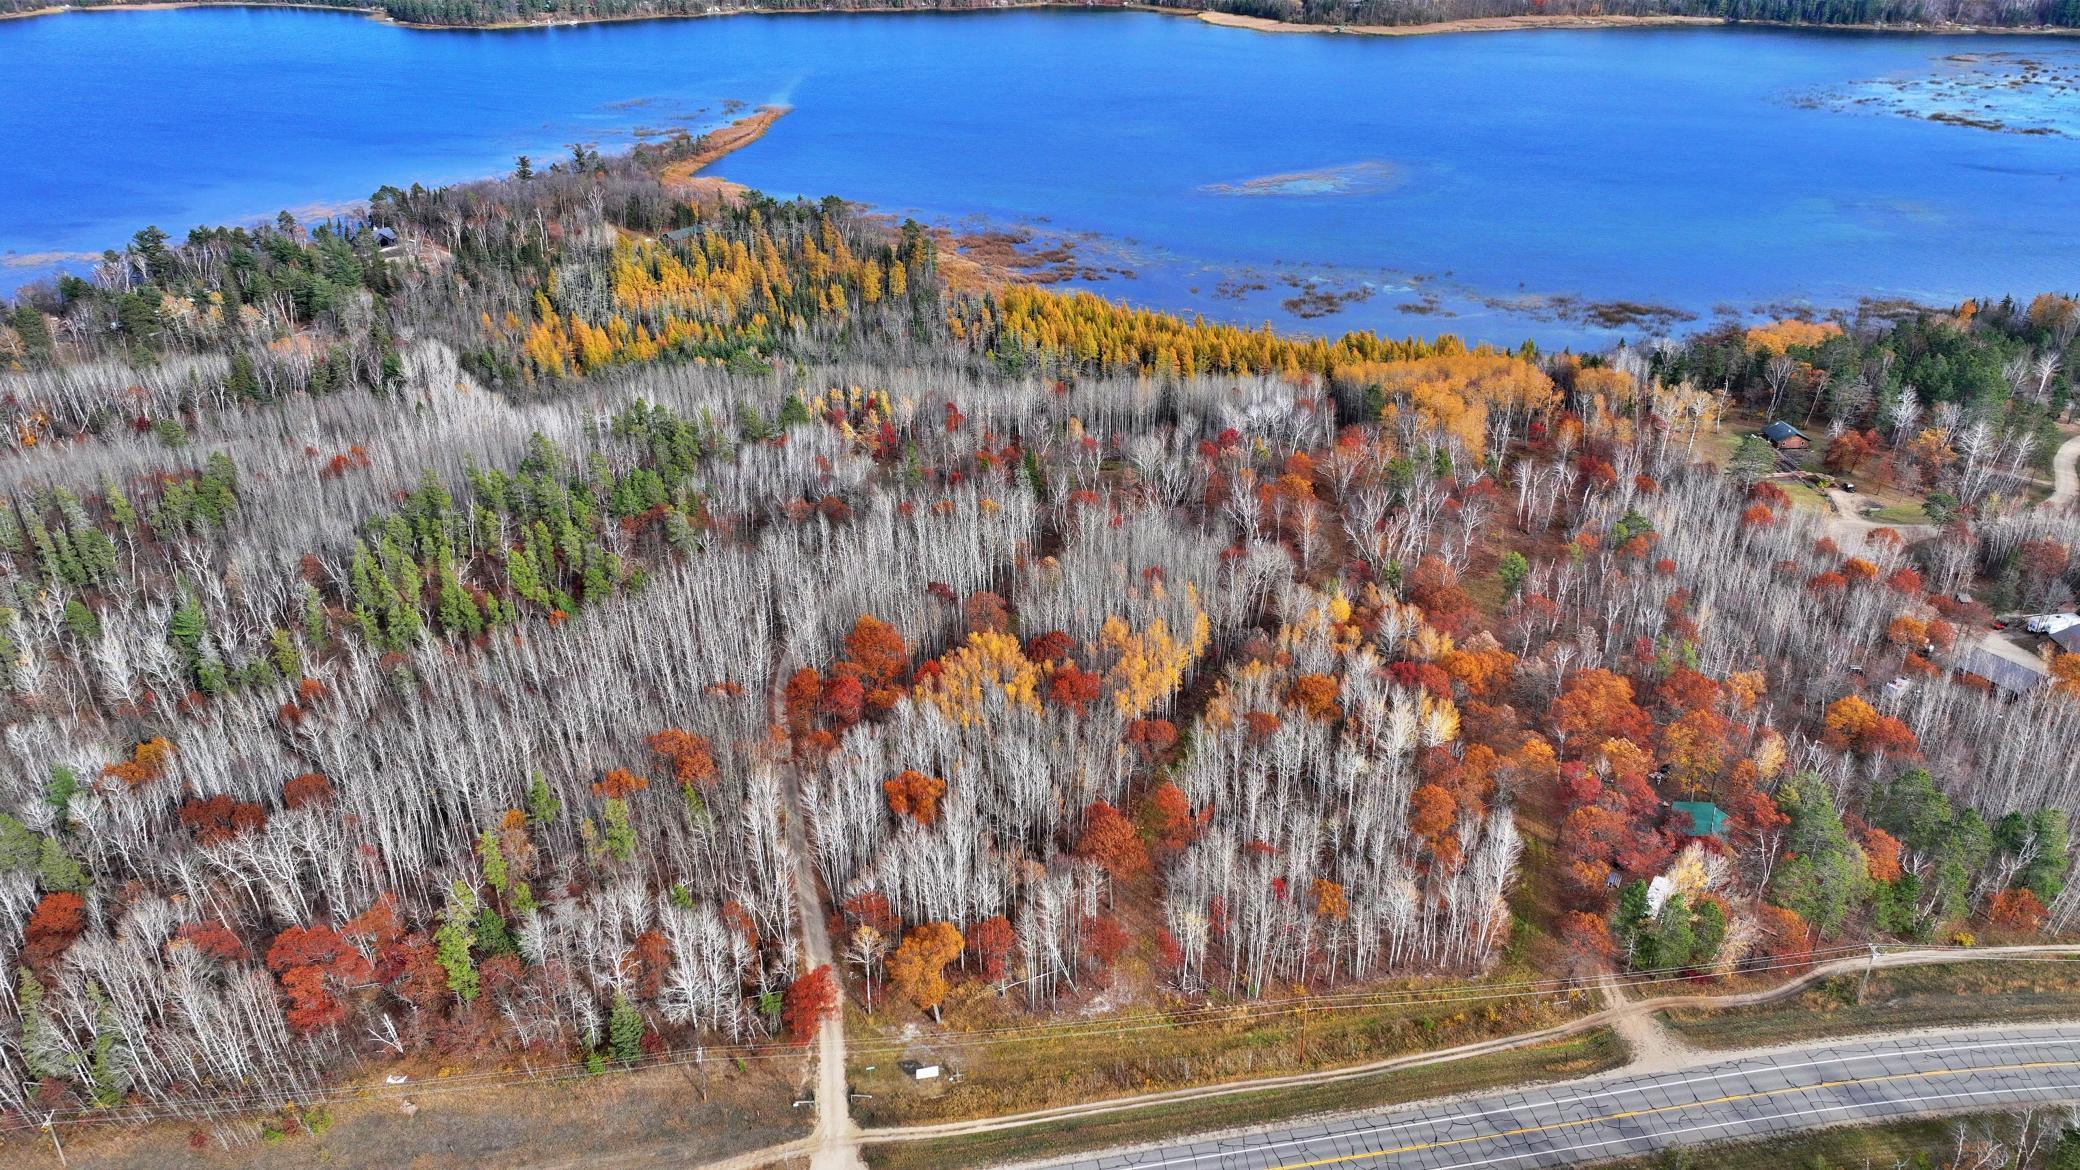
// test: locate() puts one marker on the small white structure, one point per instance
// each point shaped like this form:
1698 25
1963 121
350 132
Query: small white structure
925 1072
2048 624
1658 891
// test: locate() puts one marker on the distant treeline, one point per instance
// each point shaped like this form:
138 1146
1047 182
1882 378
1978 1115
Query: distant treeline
496 12
2002 13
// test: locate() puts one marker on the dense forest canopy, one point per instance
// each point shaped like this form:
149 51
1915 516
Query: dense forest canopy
450 629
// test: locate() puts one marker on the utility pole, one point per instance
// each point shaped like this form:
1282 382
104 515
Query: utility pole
1865 983
52 1130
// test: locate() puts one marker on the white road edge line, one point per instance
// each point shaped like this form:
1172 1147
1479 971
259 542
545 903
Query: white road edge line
1560 1101
1959 1096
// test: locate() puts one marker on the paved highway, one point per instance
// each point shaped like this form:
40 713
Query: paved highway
1626 1115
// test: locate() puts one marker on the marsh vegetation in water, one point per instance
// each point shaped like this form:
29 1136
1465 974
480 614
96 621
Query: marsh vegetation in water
2033 93
1360 178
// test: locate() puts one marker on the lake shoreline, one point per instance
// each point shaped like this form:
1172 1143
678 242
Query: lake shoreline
684 176
1370 216
1470 24
1478 24
380 17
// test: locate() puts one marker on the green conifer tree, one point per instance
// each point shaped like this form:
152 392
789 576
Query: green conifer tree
453 939
625 1030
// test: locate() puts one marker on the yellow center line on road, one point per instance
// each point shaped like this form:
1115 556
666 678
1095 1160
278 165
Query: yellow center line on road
1727 1099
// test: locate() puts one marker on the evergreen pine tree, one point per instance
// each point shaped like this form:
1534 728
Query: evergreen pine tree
1708 927
1674 939
454 938
35 333
542 805
56 870
493 937
625 1030
109 1070
1629 921
81 621
43 1048
187 627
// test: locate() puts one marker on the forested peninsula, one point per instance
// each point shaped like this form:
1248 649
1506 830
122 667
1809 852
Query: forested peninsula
1944 15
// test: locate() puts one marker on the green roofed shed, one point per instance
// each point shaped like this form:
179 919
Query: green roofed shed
1706 819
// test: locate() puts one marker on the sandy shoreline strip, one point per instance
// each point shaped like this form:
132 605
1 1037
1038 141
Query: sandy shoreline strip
684 177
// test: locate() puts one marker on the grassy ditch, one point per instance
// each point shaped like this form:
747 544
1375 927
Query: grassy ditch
1591 1052
1903 997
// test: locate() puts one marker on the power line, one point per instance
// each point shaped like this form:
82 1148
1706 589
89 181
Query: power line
1251 1011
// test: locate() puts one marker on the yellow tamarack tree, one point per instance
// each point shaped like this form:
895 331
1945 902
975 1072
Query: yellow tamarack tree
1150 664
1783 336
1100 334
1454 392
987 661
715 288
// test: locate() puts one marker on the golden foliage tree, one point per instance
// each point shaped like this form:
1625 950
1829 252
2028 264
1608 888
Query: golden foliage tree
1150 664
918 967
1455 391
2065 674
1784 336
985 662
1103 335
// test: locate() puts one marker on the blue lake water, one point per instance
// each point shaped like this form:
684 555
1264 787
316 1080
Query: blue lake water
1482 184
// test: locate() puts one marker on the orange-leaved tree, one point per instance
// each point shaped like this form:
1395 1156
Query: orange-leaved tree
918 967
1316 694
2065 674
1600 703
147 763
693 764
619 784
1695 748
1110 841
1586 938
1854 725
316 963
58 920
2017 909
878 649
1168 814
1881 851
915 795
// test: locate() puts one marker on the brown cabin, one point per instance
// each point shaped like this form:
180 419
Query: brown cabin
1785 437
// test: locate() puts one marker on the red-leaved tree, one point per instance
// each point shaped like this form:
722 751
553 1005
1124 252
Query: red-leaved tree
1109 841
809 1001
992 940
